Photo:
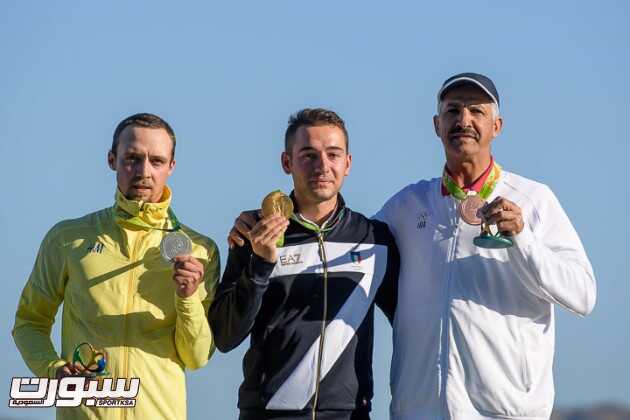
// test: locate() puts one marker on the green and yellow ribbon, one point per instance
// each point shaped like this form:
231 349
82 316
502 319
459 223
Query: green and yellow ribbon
487 188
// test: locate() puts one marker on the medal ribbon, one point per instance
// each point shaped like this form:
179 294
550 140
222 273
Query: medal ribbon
487 188
326 227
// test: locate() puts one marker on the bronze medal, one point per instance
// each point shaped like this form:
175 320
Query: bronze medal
277 202
469 209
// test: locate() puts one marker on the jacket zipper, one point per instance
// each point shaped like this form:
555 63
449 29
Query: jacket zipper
322 255
128 304
447 314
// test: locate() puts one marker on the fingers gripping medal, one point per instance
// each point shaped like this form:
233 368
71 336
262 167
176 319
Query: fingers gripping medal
92 360
277 202
470 212
175 244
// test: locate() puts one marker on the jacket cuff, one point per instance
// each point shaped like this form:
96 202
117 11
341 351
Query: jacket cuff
259 270
188 305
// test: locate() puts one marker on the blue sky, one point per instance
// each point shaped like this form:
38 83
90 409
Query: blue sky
227 75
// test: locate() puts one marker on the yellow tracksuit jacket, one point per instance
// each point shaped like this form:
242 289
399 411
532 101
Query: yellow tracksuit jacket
118 295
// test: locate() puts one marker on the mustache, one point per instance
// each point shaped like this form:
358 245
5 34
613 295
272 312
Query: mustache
464 131
141 184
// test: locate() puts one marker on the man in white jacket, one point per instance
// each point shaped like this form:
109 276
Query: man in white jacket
474 327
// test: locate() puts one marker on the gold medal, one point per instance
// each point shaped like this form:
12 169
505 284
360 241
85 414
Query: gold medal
277 202
469 209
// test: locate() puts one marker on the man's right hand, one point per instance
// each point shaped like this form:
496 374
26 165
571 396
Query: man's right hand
262 235
265 234
70 369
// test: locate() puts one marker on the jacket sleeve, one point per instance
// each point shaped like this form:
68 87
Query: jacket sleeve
239 297
550 259
40 299
387 294
193 339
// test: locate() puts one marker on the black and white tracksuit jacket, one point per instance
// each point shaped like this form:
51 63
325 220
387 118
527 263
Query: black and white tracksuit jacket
327 280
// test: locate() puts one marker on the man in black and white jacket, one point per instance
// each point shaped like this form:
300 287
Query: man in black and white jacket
308 304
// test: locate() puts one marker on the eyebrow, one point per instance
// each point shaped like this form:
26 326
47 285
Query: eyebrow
309 148
135 153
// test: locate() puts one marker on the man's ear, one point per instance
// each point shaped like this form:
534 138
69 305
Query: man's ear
436 125
171 167
111 160
285 160
498 126
349 164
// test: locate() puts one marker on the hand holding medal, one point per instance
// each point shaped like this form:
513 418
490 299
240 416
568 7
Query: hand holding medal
505 215
90 360
187 270
187 274
268 233
472 211
276 209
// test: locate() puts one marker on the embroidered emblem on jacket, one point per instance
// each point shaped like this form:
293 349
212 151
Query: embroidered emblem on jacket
422 220
356 257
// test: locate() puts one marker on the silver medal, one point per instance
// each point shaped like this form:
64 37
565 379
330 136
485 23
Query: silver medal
175 244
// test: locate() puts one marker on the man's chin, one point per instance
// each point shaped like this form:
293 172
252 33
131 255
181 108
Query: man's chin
321 195
464 150
139 195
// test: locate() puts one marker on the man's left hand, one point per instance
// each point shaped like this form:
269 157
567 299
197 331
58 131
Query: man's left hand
505 214
187 274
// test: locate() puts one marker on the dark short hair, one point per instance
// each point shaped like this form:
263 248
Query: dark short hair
312 117
143 119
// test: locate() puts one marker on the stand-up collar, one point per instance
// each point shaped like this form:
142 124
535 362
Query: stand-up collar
334 218
153 214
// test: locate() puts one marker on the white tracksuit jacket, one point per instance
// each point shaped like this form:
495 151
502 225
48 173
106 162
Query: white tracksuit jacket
474 328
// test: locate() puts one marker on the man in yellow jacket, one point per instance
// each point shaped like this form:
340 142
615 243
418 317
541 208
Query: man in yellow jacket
119 293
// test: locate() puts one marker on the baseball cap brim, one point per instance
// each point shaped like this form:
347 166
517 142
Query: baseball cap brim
465 80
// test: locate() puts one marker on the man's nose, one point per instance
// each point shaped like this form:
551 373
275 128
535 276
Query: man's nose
322 164
144 168
464 117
